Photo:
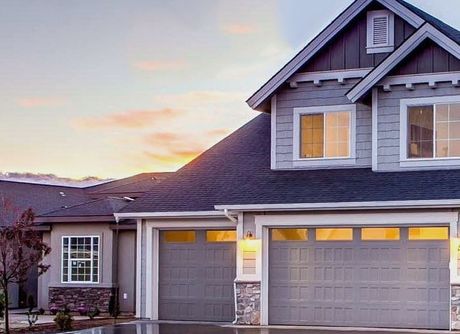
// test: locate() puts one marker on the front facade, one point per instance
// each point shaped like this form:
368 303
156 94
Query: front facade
337 206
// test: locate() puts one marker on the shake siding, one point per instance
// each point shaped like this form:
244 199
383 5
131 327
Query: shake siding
388 142
308 95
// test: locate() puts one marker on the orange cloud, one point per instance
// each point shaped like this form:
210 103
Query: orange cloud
160 65
178 158
133 119
40 102
238 29
218 132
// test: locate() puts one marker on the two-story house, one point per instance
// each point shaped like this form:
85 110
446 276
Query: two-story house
338 205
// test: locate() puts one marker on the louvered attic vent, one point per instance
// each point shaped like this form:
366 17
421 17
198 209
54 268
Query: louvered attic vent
380 31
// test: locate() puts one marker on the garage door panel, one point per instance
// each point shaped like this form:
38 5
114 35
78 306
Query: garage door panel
392 283
196 279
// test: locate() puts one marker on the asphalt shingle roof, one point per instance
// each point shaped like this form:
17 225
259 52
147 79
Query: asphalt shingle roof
237 171
99 207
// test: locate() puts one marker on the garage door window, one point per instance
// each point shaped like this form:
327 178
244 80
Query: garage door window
428 233
180 236
220 236
380 234
334 234
290 234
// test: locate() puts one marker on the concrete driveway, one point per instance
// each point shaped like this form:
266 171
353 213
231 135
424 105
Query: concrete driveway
170 328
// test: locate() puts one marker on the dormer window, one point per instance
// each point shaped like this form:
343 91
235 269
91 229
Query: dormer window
380 31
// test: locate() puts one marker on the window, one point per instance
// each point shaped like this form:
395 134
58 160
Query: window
220 236
428 233
433 131
380 31
381 234
80 259
334 234
290 234
324 132
179 236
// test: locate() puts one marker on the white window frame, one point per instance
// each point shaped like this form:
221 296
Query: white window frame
407 162
380 48
69 269
324 161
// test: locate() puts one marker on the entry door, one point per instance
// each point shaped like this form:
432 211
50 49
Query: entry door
351 280
197 270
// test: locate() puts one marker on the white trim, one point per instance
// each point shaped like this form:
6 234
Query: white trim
434 162
273 133
264 284
175 214
69 265
426 31
328 206
320 76
453 263
149 273
389 45
156 274
411 79
321 40
325 161
193 224
375 107
138 268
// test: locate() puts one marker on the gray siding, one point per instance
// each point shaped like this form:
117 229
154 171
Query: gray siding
308 95
388 133
348 49
127 270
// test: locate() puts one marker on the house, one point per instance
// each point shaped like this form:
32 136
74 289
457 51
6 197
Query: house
337 206
73 209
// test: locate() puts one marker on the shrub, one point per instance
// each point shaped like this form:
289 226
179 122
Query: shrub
82 310
54 310
63 320
41 311
93 313
2 305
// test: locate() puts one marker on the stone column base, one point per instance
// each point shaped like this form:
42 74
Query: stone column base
455 307
247 303
73 298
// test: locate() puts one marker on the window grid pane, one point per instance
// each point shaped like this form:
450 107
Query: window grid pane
312 136
447 130
290 234
80 259
337 139
334 234
380 234
421 130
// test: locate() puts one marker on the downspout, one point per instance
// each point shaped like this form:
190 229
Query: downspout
234 220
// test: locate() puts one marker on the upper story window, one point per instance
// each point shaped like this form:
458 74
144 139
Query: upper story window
380 31
430 128
324 133
80 259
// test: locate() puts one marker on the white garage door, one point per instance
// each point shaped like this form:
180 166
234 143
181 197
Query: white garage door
384 277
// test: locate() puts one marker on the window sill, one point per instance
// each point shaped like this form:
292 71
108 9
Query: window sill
379 49
342 162
433 163
81 285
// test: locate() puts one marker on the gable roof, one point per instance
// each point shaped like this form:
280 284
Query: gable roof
237 171
395 58
410 13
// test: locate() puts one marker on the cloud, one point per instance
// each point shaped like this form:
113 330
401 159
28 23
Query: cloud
199 98
40 102
238 29
133 119
177 158
160 65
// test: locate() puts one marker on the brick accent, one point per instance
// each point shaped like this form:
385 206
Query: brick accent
247 303
74 298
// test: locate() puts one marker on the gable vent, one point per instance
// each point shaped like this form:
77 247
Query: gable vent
380 27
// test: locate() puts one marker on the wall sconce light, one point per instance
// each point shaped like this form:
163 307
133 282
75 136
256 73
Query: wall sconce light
249 235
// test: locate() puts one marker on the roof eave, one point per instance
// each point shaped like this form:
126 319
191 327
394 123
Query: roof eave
75 219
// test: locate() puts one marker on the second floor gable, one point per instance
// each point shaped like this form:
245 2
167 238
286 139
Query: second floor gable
379 88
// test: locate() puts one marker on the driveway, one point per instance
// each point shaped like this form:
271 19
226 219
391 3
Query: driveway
154 328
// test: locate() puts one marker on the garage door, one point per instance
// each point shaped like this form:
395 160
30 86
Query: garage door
197 270
370 277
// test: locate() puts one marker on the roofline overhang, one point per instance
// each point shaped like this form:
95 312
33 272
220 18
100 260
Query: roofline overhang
343 206
283 75
76 219
427 31
170 215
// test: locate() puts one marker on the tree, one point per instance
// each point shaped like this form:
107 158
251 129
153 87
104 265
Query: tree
21 248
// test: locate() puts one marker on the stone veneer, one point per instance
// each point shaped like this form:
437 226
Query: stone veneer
247 303
455 307
74 298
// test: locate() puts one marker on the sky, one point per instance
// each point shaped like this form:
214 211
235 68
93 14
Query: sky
112 88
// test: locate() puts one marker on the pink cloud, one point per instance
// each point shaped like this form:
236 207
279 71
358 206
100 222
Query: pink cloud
132 119
160 65
40 102
238 29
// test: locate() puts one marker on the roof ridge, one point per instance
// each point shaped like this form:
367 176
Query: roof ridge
42 184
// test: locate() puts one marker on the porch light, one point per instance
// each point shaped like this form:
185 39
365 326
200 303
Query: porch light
249 236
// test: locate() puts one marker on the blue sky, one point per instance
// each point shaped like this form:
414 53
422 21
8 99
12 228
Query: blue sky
117 87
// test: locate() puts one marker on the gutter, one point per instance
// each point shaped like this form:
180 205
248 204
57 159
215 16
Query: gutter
328 206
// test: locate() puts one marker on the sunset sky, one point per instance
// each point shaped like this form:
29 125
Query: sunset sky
112 88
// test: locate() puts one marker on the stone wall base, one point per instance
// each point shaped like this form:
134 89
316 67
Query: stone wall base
455 307
247 303
74 298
